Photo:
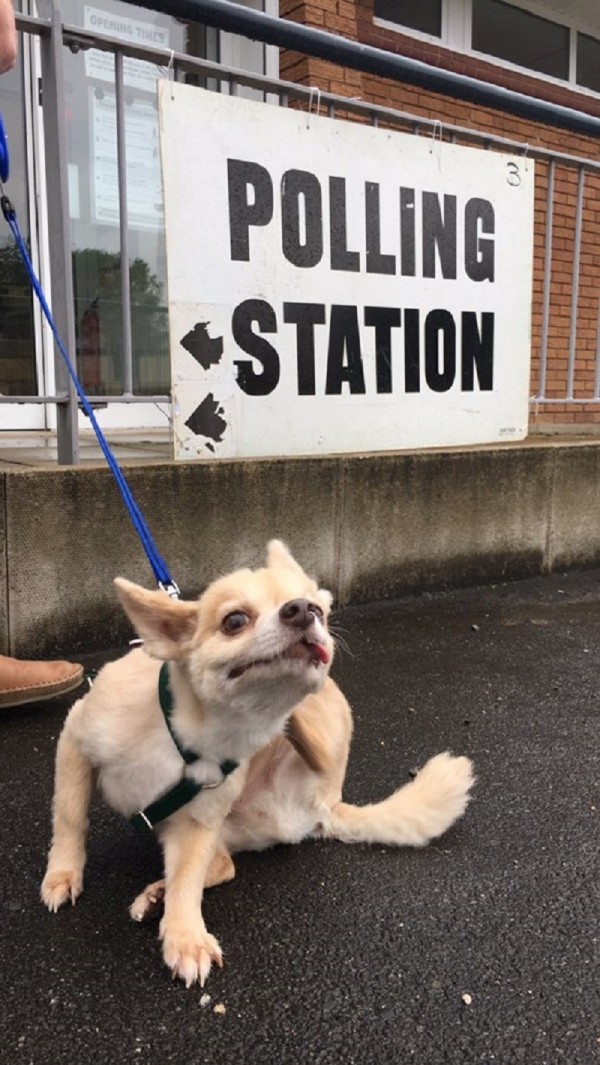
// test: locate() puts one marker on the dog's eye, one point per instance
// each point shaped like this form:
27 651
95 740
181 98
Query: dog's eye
234 622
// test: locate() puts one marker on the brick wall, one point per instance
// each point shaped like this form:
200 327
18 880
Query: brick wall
355 20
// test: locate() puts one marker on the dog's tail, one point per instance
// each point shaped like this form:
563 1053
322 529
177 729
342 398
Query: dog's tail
415 814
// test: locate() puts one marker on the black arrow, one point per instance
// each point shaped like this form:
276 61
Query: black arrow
206 350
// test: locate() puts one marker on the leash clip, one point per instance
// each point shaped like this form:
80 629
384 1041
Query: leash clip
7 209
171 589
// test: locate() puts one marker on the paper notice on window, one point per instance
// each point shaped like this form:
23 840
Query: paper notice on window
144 186
137 74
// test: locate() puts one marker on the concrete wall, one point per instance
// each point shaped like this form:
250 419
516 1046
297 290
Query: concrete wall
367 526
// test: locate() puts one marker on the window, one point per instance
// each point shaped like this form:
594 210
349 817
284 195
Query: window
510 33
94 190
522 33
588 62
422 15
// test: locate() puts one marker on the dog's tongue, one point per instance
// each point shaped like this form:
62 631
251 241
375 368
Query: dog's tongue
320 652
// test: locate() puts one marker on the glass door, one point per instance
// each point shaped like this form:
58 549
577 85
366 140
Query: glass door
26 347
21 365
94 208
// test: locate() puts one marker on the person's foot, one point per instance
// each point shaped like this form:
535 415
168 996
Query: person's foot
22 681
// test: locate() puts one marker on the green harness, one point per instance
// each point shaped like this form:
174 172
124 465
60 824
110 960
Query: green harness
185 790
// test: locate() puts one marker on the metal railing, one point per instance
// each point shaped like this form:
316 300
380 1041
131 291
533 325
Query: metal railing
55 36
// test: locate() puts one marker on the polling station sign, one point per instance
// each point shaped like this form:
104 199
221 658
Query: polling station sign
335 287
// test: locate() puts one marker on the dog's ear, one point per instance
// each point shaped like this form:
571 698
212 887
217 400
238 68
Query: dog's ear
279 555
327 597
165 625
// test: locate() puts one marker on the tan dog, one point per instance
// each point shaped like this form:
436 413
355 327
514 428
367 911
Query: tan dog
253 650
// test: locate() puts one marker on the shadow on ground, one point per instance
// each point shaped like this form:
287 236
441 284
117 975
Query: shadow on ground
361 955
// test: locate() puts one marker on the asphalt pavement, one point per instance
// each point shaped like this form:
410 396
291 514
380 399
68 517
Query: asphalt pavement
481 948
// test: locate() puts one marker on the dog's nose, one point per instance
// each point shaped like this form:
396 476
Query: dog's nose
298 613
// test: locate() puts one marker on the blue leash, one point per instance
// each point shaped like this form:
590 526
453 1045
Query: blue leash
3 153
158 564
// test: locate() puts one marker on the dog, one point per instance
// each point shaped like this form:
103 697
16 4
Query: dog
258 738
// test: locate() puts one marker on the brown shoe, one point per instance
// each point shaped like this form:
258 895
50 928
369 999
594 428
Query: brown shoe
32 682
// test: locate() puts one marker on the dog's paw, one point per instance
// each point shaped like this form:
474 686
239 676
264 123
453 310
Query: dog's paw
189 951
61 886
149 902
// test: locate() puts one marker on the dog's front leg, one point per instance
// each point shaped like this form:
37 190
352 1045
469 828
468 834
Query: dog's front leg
188 949
73 788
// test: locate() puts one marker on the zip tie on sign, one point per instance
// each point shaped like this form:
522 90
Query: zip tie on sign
437 126
169 71
157 563
314 91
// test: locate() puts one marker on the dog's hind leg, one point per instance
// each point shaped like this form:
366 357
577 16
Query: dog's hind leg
221 870
415 814
73 787
149 902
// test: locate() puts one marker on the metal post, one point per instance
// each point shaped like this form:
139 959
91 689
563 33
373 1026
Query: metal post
59 234
547 281
126 350
575 285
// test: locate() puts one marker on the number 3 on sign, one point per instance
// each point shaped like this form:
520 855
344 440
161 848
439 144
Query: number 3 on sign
514 174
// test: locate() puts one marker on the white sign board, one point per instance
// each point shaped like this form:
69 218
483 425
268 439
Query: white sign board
335 287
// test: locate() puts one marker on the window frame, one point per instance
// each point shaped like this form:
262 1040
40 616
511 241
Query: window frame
574 40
